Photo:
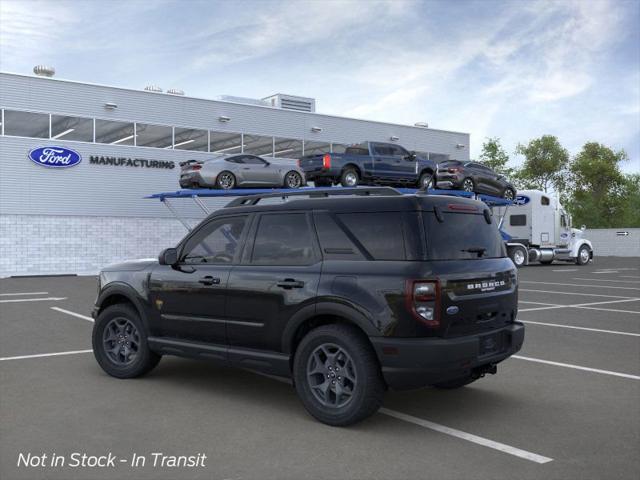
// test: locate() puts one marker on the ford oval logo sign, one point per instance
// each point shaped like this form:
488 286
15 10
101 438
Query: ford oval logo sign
521 200
55 157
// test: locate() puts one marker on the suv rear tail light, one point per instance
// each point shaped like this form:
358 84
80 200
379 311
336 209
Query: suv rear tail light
458 207
423 301
453 170
326 161
196 167
299 162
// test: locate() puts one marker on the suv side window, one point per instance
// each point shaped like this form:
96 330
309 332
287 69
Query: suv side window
235 159
381 234
283 239
381 149
253 160
398 151
217 242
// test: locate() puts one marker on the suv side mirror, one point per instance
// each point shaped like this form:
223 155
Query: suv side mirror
169 256
411 157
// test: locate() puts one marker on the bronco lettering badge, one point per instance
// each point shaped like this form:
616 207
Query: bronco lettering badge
485 286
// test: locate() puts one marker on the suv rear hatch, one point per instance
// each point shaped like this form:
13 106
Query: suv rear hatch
476 282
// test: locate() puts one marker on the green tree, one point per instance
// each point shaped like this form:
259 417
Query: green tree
495 157
599 194
545 164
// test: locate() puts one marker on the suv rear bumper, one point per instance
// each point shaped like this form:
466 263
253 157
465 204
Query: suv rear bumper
417 362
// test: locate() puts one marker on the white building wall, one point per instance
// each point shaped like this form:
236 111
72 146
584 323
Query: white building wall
46 244
613 242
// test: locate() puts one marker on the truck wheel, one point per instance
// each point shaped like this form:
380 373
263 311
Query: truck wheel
457 383
426 181
518 256
337 375
120 343
468 185
584 255
349 178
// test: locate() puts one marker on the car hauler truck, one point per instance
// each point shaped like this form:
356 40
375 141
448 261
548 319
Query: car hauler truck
538 229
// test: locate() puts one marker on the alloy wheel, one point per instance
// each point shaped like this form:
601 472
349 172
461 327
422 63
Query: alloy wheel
508 194
467 185
121 341
226 181
293 180
351 179
331 375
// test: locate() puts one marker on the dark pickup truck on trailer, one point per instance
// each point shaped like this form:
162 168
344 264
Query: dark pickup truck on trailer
348 295
369 163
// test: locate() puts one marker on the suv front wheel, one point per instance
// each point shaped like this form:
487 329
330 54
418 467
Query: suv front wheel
120 343
337 375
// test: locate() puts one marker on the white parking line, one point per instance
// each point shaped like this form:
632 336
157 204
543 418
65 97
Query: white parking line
581 285
606 280
629 276
583 305
540 303
443 429
566 270
607 271
616 332
73 314
23 293
39 355
533 457
574 293
577 367
610 310
47 299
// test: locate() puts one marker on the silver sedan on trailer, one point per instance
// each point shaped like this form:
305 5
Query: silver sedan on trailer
244 170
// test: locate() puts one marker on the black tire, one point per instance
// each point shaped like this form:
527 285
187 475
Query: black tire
322 182
349 177
584 255
509 194
226 180
468 185
426 181
367 387
518 256
138 362
292 179
457 383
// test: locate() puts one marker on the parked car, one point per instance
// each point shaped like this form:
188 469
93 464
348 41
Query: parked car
232 171
369 163
349 295
473 177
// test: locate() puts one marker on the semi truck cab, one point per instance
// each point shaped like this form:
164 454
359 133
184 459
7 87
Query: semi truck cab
539 229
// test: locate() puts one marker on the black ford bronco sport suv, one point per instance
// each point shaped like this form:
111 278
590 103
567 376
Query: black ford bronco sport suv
348 295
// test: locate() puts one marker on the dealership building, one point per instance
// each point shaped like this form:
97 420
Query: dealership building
127 144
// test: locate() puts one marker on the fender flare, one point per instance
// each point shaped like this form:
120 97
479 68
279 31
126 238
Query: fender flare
576 247
127 291
350 314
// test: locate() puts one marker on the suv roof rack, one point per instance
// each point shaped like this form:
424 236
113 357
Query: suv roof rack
314 193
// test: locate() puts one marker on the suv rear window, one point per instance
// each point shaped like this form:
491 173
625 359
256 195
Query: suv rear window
462 236
379 233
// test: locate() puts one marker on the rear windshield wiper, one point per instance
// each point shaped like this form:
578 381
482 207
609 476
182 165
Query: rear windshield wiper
479 250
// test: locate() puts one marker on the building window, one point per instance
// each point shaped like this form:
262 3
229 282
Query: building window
258 145
316 148
26 124
191 139
225 143
71 128
157 136
114 133
287 148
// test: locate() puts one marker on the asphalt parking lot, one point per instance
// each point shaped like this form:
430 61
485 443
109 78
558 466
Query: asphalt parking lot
567 407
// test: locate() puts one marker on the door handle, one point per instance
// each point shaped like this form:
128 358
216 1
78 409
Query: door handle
289 283
209 280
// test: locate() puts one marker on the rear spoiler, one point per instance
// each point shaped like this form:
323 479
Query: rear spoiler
189 162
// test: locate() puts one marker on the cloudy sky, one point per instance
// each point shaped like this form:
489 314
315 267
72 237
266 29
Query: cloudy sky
512 69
